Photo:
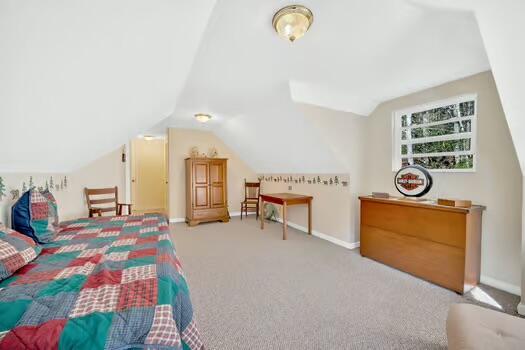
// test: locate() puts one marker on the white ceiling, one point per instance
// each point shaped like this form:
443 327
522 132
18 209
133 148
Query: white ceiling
356 55
82 77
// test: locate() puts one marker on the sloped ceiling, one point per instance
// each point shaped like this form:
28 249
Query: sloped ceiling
78 78
356 55
502 28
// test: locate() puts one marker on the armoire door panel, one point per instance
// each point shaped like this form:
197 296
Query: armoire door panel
216 172
200 173
217 196
201 197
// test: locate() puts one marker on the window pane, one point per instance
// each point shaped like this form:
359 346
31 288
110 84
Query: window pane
414 127
404 121
449 162
466 108
442 129
442 146
435 115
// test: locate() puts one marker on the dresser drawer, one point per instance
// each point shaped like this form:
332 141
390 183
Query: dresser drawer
439 226
438 263
202 214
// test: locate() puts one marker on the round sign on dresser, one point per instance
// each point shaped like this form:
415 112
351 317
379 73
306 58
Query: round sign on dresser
413 181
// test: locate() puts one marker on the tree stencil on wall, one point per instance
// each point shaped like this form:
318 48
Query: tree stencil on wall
31 183
65 181
51 183
24 187
2 188
15 194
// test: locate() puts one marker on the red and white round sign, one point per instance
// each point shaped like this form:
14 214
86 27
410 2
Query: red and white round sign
413 181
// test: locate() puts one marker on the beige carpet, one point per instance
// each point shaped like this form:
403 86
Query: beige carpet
251 290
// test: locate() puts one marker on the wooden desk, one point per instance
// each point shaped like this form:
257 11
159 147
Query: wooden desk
286 199
438 243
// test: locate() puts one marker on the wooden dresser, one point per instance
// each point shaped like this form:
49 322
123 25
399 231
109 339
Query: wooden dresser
438 243
206 190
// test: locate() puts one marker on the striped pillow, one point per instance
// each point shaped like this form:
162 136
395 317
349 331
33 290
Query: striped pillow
16 251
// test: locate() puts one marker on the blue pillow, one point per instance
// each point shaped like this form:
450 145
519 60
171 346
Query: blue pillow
35 215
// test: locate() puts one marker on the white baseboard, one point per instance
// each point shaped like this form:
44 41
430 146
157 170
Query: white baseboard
238 213
235 213
324 236
507 287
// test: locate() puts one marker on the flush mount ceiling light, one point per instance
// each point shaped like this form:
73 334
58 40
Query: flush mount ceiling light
203 118
148 137
292 22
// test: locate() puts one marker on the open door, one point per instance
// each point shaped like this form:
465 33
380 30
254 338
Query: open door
148 175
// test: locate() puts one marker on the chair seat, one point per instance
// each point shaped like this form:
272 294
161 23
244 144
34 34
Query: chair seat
473 327
250 201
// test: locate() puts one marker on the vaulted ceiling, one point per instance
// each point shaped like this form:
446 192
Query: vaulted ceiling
78 78
356 55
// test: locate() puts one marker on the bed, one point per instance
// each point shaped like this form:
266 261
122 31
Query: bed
102 283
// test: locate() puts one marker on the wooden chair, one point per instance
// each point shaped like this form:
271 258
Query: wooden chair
252 191
95 196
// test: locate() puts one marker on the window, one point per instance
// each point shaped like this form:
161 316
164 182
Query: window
440 136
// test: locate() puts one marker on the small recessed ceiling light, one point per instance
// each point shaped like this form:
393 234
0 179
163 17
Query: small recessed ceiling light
203 118
148 137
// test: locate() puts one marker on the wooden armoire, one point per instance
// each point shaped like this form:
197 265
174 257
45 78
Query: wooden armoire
206 190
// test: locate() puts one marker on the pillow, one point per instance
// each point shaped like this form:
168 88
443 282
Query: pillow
16 251
35 215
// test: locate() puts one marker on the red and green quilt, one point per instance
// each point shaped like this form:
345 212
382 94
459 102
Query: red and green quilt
102 283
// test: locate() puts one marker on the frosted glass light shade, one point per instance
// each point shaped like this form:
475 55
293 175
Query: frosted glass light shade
292 22
203 118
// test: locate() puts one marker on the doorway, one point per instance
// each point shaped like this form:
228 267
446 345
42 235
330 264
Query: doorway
149 175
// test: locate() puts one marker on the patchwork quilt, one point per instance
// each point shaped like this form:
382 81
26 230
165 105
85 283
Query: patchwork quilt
102 283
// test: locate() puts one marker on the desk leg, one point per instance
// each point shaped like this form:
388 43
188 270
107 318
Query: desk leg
285 223
309 217
262 215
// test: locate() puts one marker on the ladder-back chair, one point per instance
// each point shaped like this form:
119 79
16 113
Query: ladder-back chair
102 200
252 191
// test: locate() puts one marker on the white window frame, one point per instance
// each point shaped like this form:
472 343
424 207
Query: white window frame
397 132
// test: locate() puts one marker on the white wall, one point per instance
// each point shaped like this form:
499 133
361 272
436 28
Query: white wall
107 171
332 210
363 145
497 182
345 135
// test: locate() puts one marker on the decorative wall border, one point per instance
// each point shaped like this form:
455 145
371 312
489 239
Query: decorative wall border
327 180
48 183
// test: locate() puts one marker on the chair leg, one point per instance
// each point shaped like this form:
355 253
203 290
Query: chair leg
257 212
242 207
